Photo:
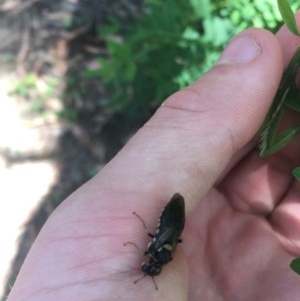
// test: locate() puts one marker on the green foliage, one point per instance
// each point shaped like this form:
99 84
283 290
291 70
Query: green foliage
288 16
24 86
35 89
146 64
244 13
171 45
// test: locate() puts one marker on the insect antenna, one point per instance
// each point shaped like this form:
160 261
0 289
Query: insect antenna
134 244
140 218
144 224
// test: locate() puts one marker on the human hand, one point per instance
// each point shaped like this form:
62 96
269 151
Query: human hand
243 213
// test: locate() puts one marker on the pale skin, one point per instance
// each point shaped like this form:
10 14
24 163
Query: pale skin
243 213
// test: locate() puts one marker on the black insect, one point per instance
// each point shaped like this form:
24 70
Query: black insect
170 225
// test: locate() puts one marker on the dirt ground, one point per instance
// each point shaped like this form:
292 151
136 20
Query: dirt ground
51 143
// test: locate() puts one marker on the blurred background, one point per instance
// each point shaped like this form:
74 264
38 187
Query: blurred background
79 77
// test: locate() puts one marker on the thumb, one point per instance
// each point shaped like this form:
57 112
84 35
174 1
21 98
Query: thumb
196 133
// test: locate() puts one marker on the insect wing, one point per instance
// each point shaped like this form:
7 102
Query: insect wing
169 230
173 216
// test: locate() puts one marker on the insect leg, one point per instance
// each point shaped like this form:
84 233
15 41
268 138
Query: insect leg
136 281
156 287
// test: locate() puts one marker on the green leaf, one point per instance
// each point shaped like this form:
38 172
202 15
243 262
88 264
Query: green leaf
281 141
268 132
288 16
295 265
296 173
201 8
292 100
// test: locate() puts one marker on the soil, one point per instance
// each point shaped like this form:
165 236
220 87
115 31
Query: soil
53 41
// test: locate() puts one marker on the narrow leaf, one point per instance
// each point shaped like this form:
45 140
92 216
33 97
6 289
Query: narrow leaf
268 132
288 16
281 141
296 173
292 100
295 265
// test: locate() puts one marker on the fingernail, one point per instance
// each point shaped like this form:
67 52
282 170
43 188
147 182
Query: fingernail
242 49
